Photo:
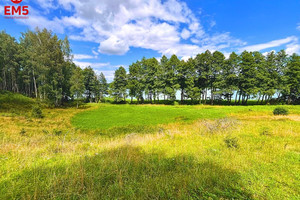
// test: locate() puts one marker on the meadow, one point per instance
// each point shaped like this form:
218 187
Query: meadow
105 151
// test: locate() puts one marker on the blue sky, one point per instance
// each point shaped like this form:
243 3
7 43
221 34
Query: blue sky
108 33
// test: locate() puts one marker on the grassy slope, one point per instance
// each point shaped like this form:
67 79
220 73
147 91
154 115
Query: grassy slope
14 103
54 160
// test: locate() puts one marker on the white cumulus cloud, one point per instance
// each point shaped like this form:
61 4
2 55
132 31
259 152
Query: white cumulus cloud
271 44
118 25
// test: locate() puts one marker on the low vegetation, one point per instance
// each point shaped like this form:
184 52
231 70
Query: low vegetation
156 152
280 111
37 112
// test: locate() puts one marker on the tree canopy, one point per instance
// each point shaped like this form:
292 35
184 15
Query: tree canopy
40 65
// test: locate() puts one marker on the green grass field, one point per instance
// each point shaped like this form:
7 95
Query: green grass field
109 116
156 152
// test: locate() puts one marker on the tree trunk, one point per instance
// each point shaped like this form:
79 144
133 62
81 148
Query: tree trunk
200 99
258 99
247 99
239 98
212 96
289 100
205 96
35 87
262 100
236 97
278 98
4 80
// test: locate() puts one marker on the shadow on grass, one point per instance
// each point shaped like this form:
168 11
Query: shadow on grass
126 173
129 129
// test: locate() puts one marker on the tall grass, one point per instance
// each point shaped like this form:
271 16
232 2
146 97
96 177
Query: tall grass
177 160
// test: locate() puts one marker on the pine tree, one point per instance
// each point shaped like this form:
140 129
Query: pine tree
119 85
171 77
135 81
103 86
216 76
230 76
247 77
293 79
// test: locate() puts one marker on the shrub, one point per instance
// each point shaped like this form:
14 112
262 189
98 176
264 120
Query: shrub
280 111
231 142
57 132
175 103
22 132
36 112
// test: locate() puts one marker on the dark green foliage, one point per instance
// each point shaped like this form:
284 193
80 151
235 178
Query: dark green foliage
57 132
231 142
77 84
103 87
91 84
22 132
15 102
37 112
40 65
292 90
280 111
119 85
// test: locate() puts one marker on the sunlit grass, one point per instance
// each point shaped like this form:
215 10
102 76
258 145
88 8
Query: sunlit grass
181 159
108 116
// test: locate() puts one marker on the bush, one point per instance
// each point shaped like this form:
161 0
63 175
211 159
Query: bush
36 112
22 132
57 132
280 111
176 103
231 142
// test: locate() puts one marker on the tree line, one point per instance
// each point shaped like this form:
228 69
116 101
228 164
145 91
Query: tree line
210 77
40 65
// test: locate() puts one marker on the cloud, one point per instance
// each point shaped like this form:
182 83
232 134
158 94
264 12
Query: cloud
185 34
114 45
37 20
95 52
74 21
82 56
106 68
90 64
266 53
271 44
293 48
109 74
119 25
212 23
298 26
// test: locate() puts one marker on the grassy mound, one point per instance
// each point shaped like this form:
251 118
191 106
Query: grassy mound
15 103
